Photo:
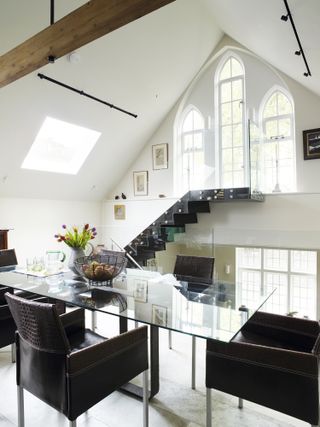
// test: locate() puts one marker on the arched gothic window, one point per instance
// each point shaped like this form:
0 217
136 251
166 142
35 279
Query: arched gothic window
192 150
277 150
231 99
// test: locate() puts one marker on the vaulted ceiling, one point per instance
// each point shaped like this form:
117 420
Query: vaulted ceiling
143 67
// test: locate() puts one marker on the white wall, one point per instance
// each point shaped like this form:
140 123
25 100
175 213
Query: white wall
139 215
290 220
35 222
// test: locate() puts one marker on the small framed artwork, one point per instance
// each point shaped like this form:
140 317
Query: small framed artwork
160 156
311 144
159 315
119 211
140 292
140 183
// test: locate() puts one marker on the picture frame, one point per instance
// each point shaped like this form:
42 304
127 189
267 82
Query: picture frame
160 156
140 292
159 315
140 183
311 144
119 212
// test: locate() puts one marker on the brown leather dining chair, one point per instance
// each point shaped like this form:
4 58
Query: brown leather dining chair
272 361
69 367
197 270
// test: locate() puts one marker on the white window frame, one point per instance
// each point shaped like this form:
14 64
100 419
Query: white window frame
262 270
265 140
218 106
186 186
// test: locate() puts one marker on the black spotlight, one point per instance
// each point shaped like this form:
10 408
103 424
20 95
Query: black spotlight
306 74
298 52
284 17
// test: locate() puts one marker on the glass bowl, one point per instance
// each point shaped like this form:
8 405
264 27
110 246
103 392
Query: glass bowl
102 268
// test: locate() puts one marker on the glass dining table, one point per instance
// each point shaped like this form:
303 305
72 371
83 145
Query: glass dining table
160 301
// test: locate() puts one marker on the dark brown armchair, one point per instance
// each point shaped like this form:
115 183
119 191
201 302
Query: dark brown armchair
197 269
69 367
272 361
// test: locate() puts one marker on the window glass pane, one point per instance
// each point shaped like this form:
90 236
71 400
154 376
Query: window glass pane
227 160
186 162
236 68
237 112
303 295
226 114
237 136
198 157
226 136
271 127
238 179
237 89
227 179
278 302
304 262
187 142
198 140
198 122
284 105
270 109
250 284
188 123
226 92
249 257
226 70
276 259
286 150
285 127
237 158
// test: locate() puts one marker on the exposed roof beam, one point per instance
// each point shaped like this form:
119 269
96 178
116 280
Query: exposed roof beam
87 23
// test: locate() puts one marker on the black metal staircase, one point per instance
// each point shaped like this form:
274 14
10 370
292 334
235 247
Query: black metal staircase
173 221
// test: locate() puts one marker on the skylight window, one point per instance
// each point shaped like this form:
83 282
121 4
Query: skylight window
60 147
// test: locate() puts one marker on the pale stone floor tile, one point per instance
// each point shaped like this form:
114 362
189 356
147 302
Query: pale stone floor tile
176 405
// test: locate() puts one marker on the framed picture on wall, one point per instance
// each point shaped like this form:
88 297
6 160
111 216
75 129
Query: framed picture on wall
140 292
159 315
160 156
311 144
119 212
140 183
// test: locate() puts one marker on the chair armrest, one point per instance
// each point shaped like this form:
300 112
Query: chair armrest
102 352
275 358
285 323
73 321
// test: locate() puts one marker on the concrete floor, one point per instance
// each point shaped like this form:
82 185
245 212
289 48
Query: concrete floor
175 405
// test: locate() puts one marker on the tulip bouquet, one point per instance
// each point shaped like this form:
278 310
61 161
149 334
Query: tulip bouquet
75 237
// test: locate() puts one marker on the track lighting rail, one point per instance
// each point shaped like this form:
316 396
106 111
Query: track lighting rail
300 51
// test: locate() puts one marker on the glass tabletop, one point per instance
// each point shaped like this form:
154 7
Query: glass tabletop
150 298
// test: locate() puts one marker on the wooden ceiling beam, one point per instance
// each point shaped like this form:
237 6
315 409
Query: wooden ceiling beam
84 25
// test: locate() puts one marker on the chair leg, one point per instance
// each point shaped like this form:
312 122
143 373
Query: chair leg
240 403
20 406
13 352
145 398
209 409
93 320
170 340
73 423
193 367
